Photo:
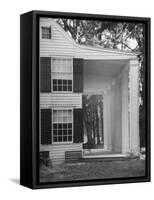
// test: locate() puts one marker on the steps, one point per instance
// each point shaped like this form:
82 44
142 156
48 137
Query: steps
106 157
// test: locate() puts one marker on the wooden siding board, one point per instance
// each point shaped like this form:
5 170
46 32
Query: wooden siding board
62 100
57 151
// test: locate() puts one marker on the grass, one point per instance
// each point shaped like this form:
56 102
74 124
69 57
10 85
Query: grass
93 170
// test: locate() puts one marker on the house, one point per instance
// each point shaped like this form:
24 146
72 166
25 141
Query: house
68 71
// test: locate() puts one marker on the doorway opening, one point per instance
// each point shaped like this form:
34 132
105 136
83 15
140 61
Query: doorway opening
93 123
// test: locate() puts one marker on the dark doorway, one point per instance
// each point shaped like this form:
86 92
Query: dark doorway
93 121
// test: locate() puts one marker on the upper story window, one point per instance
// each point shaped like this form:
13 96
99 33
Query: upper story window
46 32
62 74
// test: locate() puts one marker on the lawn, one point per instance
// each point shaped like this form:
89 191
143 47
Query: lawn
93 170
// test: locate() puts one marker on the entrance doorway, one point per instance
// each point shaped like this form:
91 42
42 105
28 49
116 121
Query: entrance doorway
93 123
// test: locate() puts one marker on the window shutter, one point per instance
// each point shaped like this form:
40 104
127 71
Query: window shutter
78 75
45 74
46 126
78 125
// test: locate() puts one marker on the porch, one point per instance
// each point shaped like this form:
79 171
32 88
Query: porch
117 82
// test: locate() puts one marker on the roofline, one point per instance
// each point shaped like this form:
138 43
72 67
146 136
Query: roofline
92 48
99 48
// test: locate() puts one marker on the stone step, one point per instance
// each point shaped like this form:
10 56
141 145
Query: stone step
107 157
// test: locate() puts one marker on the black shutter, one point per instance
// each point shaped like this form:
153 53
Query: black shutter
78 75
46 126
45 74
78 125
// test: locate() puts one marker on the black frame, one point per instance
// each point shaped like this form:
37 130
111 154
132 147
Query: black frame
29 99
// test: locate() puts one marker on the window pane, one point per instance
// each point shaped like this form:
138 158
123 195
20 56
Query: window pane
57 75
59 82
65 132
69 132
69 116
69 138
55 132
60 132
69 125
55 120
55 139
55 126
60 139
64 88
59 87
69 82
65 138
54 81
65 115
60 116
69 88
64 82
55 88
67 76
59 126
64 126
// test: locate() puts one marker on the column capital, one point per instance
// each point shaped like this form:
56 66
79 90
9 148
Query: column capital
133 62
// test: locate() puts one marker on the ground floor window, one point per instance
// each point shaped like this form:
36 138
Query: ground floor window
62 121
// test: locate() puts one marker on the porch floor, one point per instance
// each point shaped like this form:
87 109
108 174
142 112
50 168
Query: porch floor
113 155
103 154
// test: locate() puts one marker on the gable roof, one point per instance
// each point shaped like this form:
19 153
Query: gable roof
91 52
99 48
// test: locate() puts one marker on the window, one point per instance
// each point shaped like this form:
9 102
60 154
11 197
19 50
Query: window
62 74
46 32
62 126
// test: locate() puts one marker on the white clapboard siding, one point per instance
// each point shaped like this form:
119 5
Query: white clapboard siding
57 151
48 100
62 44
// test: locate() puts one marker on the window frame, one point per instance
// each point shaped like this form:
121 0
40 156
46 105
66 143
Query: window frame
63 142
62 58
50 32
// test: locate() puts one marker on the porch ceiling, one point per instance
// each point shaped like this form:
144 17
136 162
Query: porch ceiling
99 74
108 68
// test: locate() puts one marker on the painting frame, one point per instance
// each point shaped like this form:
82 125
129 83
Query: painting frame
29 84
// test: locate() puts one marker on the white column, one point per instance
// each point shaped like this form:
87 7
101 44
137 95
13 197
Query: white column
109 144
134 107
105 120
112 114
125 107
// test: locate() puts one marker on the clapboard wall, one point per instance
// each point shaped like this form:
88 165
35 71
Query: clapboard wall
57 151
48 100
